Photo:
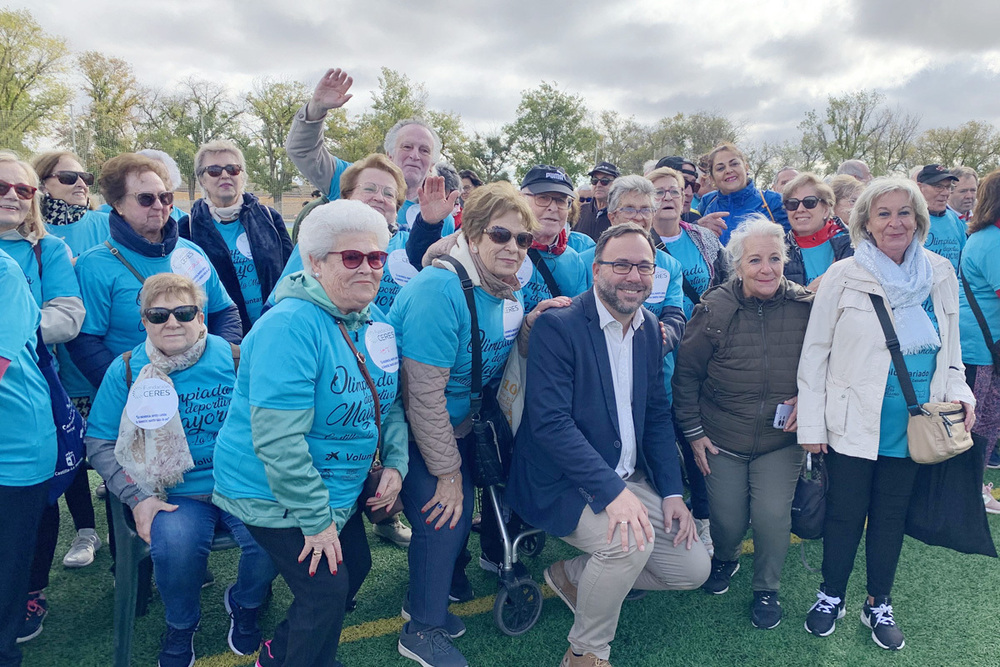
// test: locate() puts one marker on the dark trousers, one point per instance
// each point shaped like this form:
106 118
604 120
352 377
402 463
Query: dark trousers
45 548
21 508
310 632
80 501
859 489
696 480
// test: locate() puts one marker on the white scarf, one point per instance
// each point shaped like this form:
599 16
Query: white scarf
906 286
225 213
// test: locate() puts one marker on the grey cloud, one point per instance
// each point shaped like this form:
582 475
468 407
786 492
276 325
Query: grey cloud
932 25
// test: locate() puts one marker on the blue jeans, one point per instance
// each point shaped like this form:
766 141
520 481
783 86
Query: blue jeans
180 542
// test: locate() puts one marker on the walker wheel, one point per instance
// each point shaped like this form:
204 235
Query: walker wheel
532 545
517 607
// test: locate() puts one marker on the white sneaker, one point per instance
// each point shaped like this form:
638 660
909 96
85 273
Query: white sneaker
394 531
82 550
992 506
705 534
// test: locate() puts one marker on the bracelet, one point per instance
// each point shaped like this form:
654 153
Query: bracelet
452 479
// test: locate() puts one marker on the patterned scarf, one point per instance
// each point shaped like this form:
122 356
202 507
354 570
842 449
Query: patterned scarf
58 212
557 248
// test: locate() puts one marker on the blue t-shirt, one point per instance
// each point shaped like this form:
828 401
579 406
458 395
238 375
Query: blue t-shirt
696 270
238 244
981 271
567 269
295 358
432 319
580 242
28 450
90 230
894 417
203 392
111 292
817 260
57 277
946 236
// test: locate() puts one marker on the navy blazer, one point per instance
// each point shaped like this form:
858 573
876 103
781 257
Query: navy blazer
568 443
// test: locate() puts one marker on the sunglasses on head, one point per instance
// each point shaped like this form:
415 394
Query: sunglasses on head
161 315
501 235
809 202
146 199
67 177
215 170
352 258
594 180
22 190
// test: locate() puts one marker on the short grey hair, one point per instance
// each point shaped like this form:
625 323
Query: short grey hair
861 214
631 183
173 171
615 231
392 136
962 172
450 175
323 227
219 146
855 168
754 225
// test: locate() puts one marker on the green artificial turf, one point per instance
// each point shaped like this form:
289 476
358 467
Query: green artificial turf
945 603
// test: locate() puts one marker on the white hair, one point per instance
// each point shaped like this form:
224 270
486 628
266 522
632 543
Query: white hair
323 227
755 224
392 137
173 171
625 184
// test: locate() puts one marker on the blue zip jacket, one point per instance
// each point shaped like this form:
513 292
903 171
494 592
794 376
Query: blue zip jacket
741 204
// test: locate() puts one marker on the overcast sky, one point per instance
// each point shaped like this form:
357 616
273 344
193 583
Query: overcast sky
764 62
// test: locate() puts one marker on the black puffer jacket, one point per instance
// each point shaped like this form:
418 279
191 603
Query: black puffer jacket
737 361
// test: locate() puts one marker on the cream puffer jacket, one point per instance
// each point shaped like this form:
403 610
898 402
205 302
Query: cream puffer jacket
845 362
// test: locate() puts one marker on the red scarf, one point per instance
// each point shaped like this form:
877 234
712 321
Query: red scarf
826 232
557 248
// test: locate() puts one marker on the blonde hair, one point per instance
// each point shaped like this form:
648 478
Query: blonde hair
33 221
824 191
170 284
349 179
492 201
861 214
667 171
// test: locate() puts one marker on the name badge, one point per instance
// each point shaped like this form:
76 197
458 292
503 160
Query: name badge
151 403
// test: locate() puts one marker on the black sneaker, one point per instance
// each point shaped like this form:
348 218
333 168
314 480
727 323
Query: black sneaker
177 648
461 588
244 634
453 625
722 571
766 610
822 617
35 613
878 617
431 648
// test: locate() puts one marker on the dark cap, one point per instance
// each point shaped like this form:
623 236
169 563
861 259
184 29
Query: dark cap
935 173
546 178
605 168
682 165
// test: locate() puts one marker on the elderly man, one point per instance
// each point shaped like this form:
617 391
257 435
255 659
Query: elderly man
963 197
947 233
594 216
692 185
783 178
411 144
856 168
595 463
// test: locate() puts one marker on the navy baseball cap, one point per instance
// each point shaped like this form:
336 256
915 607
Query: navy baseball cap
678 163
935 173
546 178
605 168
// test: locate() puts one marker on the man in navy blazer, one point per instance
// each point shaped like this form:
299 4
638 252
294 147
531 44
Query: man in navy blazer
595 461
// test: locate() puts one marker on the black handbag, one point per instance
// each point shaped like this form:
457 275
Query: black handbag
809 502
493 441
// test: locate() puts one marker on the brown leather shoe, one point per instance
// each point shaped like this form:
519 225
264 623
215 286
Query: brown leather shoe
555 577
585 660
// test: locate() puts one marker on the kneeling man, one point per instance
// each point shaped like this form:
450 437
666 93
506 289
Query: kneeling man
595 461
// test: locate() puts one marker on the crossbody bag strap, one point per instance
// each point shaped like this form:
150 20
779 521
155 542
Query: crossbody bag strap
543 268
476 397
891 342
128 265
360 358
981 319
764 199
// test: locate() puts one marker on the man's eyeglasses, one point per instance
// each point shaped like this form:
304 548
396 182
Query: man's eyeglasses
623 268
545 200
694 185
594 180
146 199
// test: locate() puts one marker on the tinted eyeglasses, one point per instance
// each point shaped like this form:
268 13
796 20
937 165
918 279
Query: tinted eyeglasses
545 199
501 235
67 177
215 170
146 199
594 180
809 202
22 190
161 315
623 268
352 258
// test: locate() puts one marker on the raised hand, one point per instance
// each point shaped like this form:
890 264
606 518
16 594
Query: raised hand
435 205
331 93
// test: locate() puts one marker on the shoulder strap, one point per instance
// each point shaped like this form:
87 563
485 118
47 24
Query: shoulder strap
476 397
128 265
37 248
360 358
891 342
981 319
764 199
543 268
236 356
127 358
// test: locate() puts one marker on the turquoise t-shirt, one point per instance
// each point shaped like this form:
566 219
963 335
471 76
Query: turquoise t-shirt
111 292
203 394
981 271
817 260
28 450
894 417
946 236
580 242
695 269
238 244
58 278
295 358
432 319
90 230
568 270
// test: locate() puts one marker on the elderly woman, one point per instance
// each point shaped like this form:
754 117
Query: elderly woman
155 455
317 388
144 241
980 351
735 396
851 406
817 239
434 323
846 190
736 196
246 241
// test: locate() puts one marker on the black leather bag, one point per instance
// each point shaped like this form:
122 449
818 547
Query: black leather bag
809 502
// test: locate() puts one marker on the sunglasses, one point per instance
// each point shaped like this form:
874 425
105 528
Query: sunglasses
67 177
501 235
694 185
809 202
594 180
215 170
161 315
352 258
22 190
146 199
